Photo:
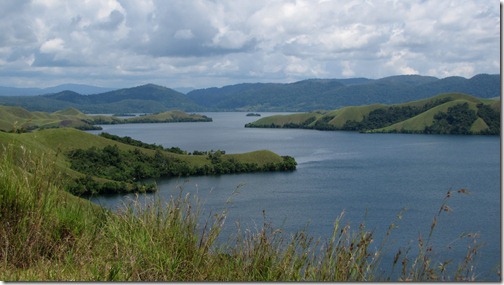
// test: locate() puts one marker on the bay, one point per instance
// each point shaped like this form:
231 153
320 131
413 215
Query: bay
369 177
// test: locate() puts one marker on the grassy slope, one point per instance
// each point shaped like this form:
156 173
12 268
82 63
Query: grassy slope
357 113
13 118
419 122
48 235
52 142
352 113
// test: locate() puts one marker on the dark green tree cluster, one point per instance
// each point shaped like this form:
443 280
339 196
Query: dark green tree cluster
384 117
225 165
132 166
491 118
323 124
137 143
87 185
457 120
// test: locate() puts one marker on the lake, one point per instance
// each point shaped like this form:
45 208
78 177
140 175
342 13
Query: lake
370 177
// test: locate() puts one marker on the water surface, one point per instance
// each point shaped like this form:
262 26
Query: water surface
370 177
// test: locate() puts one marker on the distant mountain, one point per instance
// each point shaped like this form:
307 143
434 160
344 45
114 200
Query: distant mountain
78 88
450 113
148 98
301 96
183 90
327 94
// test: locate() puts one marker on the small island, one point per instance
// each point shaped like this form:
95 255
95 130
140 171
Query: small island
253 115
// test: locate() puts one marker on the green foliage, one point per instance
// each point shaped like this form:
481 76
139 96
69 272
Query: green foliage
383 117
457 120
38 222
137 143
47 234
19 120
491 117
104 160
130 166
437 115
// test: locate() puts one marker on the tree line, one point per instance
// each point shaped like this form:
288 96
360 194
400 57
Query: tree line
126 169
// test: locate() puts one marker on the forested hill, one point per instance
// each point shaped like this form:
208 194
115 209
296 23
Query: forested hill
314 94
443 114
305 95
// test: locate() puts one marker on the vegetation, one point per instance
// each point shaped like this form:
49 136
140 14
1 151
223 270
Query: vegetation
49 235
134 165
133 142
102 164
442 114
17 119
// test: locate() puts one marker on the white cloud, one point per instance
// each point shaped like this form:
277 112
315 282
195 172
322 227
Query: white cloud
220 42
53 46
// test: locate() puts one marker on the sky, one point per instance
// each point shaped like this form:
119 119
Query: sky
212 43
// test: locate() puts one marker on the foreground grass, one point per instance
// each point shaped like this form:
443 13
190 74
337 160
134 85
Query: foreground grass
46 234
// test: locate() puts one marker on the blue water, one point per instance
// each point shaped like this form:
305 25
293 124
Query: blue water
369 177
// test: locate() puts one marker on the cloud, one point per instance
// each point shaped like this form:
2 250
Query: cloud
184 34
205 43
53 45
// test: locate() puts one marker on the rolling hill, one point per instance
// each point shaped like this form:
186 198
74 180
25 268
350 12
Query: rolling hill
17 119
451 113
95 164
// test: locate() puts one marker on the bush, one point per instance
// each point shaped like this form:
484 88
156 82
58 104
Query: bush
49 235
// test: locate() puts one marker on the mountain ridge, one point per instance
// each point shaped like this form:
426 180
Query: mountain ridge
83 89
299 96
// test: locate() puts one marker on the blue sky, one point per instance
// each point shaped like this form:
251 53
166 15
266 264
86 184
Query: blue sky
205 43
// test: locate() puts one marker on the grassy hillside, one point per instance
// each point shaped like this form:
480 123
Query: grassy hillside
49 235
451 113
95 164
17 119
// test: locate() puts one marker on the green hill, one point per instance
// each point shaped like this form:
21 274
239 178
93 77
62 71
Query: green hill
97 164
17 119
443 114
